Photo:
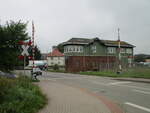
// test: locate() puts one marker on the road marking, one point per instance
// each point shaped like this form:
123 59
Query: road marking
137 106
144 92
117 83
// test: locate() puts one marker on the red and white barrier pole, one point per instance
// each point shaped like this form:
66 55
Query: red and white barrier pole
33 48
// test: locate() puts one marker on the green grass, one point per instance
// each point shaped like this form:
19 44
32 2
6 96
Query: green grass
20 96
133 73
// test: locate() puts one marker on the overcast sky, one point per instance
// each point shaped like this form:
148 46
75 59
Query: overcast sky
57 21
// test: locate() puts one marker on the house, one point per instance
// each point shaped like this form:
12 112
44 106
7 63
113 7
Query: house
55 57
104 53
147 60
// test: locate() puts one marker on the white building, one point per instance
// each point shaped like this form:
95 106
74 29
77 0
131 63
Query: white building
56 57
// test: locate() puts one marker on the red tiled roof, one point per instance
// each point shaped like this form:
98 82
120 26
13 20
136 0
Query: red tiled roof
56 53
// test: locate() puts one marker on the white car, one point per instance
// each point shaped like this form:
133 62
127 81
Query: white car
36 71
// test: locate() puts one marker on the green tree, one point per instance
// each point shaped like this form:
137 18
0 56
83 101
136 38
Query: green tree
10 35
141 57
37 53
60 48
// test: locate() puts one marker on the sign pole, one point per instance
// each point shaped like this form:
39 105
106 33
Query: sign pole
33 49
25 47
24 63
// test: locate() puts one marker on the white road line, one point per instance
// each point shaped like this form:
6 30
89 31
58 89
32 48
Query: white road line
144 92
117 83
137 106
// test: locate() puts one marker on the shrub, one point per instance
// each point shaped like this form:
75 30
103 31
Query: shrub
56 67
20 96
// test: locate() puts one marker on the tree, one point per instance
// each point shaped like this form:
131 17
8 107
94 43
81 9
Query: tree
37 53
60 48
10 35
141 57
56 67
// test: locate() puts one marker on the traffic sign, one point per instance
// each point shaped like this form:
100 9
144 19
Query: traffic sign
25 50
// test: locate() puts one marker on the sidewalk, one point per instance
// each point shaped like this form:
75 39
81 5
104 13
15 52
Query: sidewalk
65 99
134 79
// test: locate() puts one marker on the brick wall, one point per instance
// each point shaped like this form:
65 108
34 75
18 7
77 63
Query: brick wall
89 63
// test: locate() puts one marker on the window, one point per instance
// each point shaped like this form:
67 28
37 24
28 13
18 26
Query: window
51 58
77 49
111 50
70 49
122 50
73 49
66 49
129 51
93 49
81 49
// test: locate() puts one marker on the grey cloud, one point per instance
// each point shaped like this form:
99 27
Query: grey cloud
58 20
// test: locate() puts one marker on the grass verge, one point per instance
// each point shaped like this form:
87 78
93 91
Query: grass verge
132 73
20 96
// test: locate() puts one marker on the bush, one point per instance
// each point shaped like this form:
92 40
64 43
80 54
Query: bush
20 96
55 67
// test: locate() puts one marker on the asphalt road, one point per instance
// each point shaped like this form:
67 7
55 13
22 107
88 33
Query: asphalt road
132 97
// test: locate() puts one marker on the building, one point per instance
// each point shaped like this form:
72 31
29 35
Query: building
56 57
96 53
147 60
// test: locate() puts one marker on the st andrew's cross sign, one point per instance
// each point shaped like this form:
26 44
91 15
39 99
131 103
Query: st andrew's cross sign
25 50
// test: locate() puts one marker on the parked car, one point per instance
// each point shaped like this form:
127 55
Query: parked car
36 71
7 75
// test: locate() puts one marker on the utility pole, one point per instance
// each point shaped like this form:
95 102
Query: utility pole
119 52
24 62
33 49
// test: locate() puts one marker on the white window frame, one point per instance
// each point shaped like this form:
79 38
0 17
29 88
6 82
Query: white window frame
111 50
73 48
122 50
81 49
93 48
129 50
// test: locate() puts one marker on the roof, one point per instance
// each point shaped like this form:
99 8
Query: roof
78 41
85 41
115 43
55 53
